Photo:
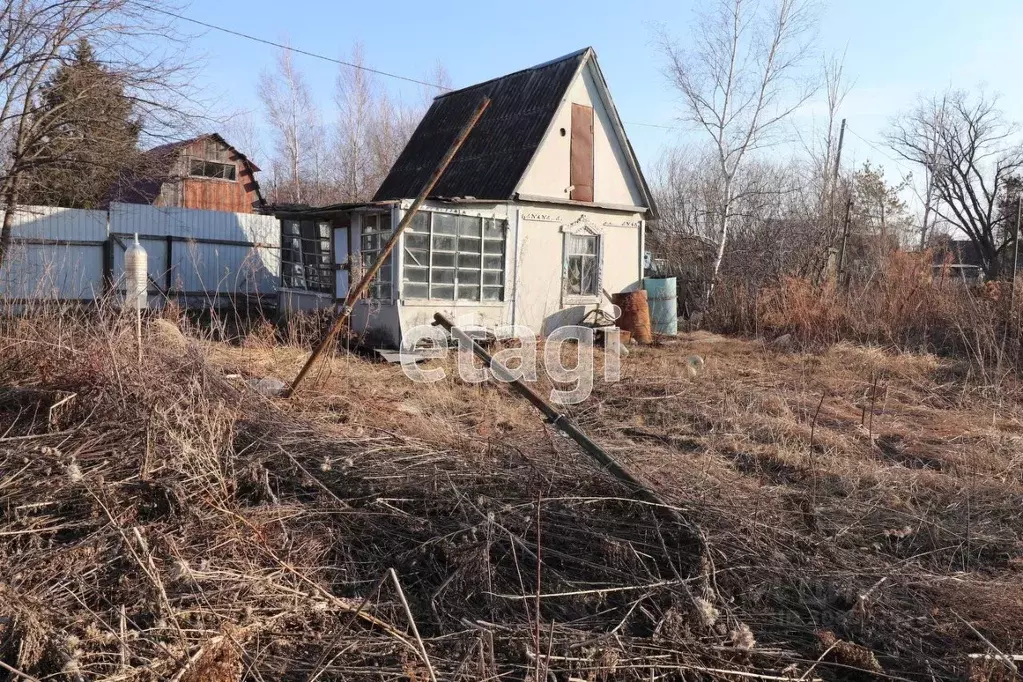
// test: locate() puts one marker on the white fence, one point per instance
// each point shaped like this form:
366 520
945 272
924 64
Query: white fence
74 254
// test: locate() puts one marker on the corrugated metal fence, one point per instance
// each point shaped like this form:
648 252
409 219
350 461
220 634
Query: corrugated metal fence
73 254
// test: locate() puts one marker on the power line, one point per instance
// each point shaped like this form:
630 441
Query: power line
897 162
340 62
650 125
297 50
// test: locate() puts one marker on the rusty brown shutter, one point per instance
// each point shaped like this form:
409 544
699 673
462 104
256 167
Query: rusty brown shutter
581 164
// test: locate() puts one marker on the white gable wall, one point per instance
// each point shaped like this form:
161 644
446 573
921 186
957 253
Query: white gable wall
548 174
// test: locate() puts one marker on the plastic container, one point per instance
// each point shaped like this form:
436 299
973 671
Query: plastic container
662 295
136 276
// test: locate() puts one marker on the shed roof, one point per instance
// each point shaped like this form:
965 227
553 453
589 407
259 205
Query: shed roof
497 152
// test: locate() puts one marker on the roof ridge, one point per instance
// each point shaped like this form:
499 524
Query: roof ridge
549 62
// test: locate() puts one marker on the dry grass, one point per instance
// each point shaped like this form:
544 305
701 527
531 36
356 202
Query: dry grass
900 305
165 521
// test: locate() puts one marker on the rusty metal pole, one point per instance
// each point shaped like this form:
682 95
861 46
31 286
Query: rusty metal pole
355 292
563 423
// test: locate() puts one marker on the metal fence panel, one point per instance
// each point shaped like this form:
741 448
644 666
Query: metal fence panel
59 272
50 222
58 252
215 259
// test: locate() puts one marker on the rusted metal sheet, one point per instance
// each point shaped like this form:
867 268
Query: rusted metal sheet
581 165
496 154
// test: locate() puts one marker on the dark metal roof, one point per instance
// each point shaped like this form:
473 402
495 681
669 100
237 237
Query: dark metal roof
495 155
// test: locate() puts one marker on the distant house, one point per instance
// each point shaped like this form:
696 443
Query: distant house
958 259
542 210
204 172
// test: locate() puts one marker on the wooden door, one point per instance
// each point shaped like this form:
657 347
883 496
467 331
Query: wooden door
581 164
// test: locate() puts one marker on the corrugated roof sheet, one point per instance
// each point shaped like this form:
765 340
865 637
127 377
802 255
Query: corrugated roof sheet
498 150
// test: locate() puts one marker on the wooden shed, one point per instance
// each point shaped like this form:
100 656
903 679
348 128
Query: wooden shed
205 172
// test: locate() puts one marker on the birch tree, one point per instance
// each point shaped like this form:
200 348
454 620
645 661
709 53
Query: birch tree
298 136
740 79
354 95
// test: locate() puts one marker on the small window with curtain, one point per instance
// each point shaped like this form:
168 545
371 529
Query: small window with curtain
376 230
581 264
454 257
306 257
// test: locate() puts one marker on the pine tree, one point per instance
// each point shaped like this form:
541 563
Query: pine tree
93 137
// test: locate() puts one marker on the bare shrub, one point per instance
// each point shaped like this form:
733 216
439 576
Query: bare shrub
901 304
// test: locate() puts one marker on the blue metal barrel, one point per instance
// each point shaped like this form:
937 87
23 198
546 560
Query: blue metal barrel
663 297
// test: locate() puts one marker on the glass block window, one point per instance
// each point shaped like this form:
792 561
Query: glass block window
453 257
306 261
376 230
581 264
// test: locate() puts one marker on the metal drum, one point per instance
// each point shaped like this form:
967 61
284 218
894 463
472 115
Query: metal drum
662 295
635 316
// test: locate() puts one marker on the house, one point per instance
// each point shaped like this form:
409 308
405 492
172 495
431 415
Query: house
541 211
204 172
957 259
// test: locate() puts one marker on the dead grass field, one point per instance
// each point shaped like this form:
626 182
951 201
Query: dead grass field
859 491
861 513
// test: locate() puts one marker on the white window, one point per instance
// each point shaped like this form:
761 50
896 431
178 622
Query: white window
454 257
582 265
376 230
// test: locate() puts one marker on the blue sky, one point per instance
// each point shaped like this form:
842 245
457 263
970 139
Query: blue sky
893 49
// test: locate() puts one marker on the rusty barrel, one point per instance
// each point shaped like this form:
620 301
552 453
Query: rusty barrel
635 317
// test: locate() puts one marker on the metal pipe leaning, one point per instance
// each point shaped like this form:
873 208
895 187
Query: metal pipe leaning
563 423
356 292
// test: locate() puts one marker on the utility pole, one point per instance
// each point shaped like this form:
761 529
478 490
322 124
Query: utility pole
1015 254
834 173
845 239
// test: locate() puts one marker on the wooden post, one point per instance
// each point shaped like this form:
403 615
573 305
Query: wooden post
845 240
355 292
834 175
169 265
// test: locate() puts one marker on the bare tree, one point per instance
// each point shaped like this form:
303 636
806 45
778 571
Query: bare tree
355 96
968 152
740 80
134 46
373 126
298 136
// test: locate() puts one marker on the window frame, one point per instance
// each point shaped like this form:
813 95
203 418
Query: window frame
377 286
309 262
192 160
483 236
581 228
